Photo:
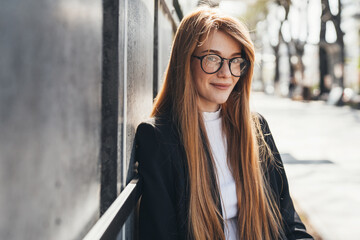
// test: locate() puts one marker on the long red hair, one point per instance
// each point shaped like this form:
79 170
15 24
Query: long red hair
258 215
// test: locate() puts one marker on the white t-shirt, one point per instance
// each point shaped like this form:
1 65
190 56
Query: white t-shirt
227 186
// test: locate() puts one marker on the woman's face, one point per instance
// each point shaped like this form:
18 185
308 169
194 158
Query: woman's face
214 89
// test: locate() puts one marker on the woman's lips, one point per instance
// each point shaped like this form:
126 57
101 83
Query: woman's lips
221 86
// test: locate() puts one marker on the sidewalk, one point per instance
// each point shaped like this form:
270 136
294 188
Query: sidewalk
320 146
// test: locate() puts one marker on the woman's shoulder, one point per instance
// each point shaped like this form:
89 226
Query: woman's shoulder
258 116
157 144
160 128
261 120
267 146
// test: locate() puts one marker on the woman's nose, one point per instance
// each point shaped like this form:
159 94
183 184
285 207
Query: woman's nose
224 70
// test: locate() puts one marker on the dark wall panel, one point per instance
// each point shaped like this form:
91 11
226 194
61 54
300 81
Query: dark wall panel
110 104
50 87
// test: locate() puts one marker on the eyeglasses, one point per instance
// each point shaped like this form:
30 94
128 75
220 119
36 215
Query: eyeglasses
212 63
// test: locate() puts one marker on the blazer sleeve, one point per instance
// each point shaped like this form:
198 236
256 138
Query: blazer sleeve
293 226
157 215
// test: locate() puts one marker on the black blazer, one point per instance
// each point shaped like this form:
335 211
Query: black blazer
165 195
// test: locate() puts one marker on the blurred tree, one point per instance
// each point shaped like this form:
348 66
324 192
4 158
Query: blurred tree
285 4
296 56
295 45
256 12
327 15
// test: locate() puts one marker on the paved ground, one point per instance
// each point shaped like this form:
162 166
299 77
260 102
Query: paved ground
320 145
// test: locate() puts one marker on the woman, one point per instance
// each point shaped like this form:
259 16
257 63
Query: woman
210 168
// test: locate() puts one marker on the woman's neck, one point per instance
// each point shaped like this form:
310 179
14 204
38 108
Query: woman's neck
210 116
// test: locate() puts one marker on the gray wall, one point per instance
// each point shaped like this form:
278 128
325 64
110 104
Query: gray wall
57 67
50 82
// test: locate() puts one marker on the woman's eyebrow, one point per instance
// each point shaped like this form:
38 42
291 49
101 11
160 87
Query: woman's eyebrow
210 50
219 53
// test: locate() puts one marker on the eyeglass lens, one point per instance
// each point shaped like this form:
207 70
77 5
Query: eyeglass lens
212 63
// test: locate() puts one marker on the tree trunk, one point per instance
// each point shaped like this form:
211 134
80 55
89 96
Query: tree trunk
340 41
292 82
326 15
277 71
323 62
323 58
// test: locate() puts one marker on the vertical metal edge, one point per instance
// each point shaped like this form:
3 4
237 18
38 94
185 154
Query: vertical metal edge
156 46
124 133
123 173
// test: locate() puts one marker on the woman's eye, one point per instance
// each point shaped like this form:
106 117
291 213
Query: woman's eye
212 58
237 60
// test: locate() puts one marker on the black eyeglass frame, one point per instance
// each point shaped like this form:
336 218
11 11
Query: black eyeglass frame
247 63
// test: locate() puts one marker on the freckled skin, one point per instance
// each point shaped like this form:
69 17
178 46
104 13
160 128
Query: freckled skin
214 89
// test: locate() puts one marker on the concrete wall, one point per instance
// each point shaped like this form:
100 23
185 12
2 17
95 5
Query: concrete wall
76 78
50 82
139 75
